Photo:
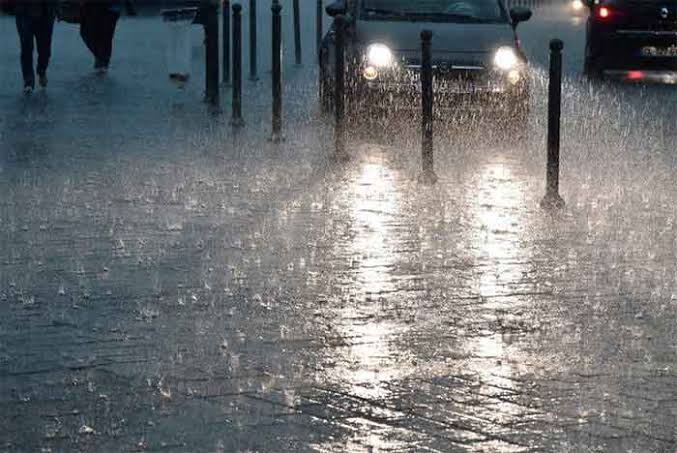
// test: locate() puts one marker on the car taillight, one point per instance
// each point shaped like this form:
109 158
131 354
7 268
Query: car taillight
635 75
604 12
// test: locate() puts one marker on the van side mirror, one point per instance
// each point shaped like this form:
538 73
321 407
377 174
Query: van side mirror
519 14
336 8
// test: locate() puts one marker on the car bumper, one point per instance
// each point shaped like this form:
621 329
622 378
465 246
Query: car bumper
643 76
637 49
469 99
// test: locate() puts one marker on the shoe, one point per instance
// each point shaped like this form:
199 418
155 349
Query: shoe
42 80
100 66
28 90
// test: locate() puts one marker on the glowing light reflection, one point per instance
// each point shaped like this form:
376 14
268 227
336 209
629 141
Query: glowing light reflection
371 360
498 205
498 215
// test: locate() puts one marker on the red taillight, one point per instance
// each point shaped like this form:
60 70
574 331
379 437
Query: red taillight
604 12
635 75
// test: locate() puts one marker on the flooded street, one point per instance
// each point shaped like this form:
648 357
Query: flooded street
168 284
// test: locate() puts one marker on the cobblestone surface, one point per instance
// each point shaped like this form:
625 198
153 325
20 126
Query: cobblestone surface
168 285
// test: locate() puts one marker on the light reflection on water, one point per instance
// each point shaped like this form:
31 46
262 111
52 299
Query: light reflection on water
373 364
499 218
371 361
375 207
375 203
497 212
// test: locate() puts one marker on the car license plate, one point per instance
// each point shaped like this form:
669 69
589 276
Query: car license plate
659 52
456 87
444 88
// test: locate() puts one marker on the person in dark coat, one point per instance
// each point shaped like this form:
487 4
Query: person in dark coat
97 28
35 23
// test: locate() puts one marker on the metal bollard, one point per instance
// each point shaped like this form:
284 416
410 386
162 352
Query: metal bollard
428 175
340 24
211 30
252 41
277 71
225 40
297 33
552 198
318 28
237 120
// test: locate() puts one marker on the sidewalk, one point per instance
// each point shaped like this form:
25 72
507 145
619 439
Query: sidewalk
168 285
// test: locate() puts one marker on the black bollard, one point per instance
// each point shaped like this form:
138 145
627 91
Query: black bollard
277 71
318 28
552 198
237 120
211 30
428 175
340 25
225 38
253 64
297 33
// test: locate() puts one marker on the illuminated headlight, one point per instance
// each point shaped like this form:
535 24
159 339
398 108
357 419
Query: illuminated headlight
505 59
514 77
379 56
577 5
370 73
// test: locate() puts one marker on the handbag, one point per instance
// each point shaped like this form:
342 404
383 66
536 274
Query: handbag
69 11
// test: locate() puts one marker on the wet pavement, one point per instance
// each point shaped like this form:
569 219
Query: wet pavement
169 285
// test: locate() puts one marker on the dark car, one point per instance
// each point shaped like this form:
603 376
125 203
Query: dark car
633 38
477 60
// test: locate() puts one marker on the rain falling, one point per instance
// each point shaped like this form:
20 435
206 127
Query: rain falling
174 280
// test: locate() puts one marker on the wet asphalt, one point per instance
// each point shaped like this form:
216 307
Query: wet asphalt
167 284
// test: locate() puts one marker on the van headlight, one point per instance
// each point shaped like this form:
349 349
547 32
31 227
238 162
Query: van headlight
379 56
514 77
505 59
370 73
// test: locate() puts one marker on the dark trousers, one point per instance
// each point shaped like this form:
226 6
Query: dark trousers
97 28
38 29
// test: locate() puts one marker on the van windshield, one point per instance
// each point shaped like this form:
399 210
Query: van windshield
434 10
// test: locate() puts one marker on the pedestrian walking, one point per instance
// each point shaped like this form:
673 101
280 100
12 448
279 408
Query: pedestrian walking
98 21
35 25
